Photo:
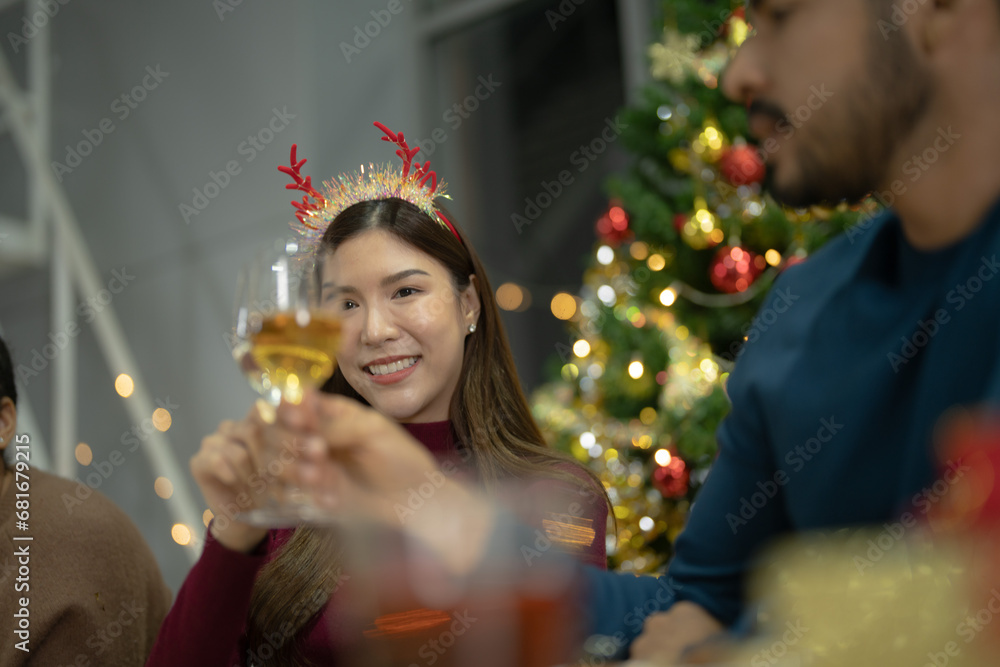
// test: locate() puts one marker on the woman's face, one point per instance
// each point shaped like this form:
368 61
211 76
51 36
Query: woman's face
404 325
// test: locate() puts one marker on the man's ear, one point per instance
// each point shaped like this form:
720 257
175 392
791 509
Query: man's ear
471 306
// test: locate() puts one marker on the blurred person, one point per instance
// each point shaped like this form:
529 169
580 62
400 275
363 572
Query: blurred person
85 588
423 344
894 323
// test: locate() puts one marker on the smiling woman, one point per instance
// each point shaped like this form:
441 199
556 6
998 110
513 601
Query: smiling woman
421 342
403 330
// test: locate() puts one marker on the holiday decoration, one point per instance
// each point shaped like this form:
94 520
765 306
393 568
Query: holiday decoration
612 227
742 165
317 210
734 269
672 479
656 326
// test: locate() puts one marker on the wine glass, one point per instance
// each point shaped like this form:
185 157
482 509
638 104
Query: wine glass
283 344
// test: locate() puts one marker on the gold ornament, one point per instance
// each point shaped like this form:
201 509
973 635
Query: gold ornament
675 57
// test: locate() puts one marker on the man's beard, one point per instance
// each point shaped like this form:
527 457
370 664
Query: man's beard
847 151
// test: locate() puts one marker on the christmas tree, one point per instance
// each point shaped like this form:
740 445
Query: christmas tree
686 252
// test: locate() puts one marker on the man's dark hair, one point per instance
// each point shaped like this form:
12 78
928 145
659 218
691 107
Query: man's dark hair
7 388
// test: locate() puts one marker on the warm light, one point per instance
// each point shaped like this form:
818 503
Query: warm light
181 534
639 250
618 217
642 442
621 512
647 416
606 293
161 419
563 306
83 454
656 262
510 296
570 372
717 235
646 523
581 348
635 370
611 454
207 517
773 257
662 457
668 296
605 255
587 439
124 385
705 220
681 333
163 487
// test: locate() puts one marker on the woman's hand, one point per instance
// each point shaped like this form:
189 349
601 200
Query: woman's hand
228 473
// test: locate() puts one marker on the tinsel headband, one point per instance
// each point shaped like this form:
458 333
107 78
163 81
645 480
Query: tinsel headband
317 210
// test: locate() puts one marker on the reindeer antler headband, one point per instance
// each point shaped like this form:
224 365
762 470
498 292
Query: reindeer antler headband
316 211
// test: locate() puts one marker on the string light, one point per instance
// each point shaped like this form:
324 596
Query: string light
639 250
161 419
656 262
581 348
635 370
163 487
563 306
84 455
181 534
510 296
605 255
570 372
124 385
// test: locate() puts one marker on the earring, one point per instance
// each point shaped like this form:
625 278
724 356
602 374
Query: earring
472 328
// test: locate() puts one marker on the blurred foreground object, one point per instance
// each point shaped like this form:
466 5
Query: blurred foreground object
904 594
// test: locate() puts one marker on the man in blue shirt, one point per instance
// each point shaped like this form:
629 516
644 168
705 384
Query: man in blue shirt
861 349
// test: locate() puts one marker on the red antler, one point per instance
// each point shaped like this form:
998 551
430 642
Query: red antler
421 172
305 208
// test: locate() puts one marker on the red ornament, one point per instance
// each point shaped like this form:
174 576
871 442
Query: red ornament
965 499
672 479
734 269
741 165
612 227
679 221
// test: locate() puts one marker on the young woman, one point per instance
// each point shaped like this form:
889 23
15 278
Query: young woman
422 343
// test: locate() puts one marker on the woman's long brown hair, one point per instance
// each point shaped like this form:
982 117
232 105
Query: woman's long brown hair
489 413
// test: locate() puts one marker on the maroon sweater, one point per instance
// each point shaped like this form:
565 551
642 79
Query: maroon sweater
206 625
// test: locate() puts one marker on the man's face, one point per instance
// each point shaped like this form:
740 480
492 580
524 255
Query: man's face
831 99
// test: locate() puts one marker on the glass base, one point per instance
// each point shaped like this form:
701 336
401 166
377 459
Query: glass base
285 515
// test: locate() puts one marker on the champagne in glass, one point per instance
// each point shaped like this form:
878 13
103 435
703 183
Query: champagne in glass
294 352
283 344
